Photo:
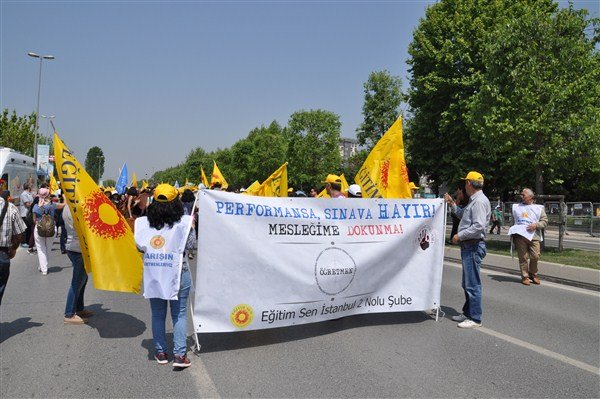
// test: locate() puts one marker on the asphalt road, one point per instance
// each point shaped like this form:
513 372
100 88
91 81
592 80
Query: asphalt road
537 341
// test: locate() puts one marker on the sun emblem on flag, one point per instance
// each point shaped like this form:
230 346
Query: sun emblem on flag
102 218
384 171
157 242
242 315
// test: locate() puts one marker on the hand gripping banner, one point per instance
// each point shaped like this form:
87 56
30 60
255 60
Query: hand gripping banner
267 262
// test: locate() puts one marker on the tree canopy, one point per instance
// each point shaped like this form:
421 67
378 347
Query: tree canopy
94 163
506 88
17 132
383 96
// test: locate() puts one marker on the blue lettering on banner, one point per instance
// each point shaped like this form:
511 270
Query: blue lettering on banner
386 211
246 209
406 211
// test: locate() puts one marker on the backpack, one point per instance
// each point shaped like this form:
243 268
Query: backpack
46 225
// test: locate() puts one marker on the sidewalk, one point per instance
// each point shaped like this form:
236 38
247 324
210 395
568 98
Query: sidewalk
563 274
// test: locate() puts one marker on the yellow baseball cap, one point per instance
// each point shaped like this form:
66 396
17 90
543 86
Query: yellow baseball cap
333 179
412 186
472 175
165 193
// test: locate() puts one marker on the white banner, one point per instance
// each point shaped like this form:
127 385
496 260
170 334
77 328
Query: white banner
271 262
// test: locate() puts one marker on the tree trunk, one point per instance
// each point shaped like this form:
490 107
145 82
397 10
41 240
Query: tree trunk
539 180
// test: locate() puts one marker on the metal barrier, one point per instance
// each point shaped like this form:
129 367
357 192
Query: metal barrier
580 216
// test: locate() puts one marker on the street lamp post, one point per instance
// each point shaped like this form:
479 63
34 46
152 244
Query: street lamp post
99 158
37 112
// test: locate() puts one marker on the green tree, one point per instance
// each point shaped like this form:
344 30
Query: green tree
259 154
17 132
313 147
447 69
94 163
383 95
539 109
506 88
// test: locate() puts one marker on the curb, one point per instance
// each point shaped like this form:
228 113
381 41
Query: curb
555 272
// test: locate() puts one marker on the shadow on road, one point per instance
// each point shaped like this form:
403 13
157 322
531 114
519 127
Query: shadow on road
216 342
114 324
505 279
57 269
448 312
13 328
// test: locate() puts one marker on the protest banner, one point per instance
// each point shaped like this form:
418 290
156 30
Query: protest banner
267 262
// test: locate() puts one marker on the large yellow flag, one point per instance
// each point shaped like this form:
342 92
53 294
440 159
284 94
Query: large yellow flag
217 177
107 242
276 185
134 181
253 188
144 185
53 185
204 179
384 173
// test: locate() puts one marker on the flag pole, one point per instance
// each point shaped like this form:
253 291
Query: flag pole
197 351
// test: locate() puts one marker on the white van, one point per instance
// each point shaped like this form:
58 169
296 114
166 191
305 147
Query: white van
16 169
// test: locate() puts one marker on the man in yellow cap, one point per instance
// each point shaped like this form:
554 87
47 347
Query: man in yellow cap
333 185
471 236
414 189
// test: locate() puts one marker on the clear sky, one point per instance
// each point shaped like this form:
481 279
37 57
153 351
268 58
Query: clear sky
148 81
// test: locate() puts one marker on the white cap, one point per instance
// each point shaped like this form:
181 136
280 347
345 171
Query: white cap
354 189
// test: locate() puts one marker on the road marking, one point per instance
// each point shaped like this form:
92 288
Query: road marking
545 283
204 384
542 351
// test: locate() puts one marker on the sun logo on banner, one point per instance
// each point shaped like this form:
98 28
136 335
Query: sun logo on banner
242 315
157 242
384 170
102 217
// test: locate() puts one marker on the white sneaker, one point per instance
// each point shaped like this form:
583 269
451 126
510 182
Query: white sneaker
469 324
459 318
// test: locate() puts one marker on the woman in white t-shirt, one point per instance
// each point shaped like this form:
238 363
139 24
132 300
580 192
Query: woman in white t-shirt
163 236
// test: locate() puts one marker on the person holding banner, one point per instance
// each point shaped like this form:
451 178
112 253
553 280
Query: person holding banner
471 236
333 186
163 236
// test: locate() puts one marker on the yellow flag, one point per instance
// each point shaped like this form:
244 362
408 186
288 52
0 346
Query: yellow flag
204 179
53 185
384 173
144 184
252 189
217 177
276 185
134 181
107 242
323 194
345 184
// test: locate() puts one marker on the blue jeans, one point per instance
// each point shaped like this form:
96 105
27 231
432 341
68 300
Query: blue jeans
4 272
178 316
471 256
63 237
78 282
